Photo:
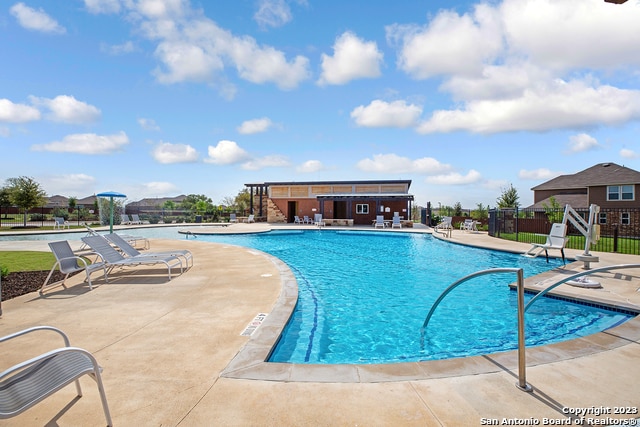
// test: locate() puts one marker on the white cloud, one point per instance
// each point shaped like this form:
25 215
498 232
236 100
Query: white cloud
118 49
386 114
449 44
86 143
353 58
67 109
37 20
158 189
271 161
249 127
557 105
70 185
454 178
148 124
167 153
102 6
629 154
226 153
538 174
392 163
17 113
192 47
582 142
310 166
272 13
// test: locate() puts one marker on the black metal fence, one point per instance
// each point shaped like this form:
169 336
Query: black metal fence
11 217
619 228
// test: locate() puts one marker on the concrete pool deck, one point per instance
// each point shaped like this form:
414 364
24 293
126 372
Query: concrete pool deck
168 350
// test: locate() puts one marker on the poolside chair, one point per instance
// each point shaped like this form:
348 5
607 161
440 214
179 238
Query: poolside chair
468 225
250 219
134 241
132 252
307 220
396 222
379 222
112 258
135 219
124 219
297 220
556 239
60 223
233 218
318 221
28 383
68 263
445 225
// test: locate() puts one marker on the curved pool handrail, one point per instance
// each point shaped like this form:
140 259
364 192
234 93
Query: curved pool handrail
575 276
461 281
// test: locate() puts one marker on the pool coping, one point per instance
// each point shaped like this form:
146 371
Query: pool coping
250 363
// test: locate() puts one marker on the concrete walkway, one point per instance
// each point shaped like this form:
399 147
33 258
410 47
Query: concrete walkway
169 351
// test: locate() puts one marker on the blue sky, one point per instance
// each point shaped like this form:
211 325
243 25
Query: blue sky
155 98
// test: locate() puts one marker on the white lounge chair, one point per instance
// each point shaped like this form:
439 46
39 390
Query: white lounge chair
112 258
396 222
307 220
135 219
132 252
68 263
556 239
233 218
250 218
60 223
379 222
124 219
318 221
468 225
297 220
26 384
445 225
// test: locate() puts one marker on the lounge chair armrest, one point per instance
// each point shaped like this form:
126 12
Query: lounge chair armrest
34 329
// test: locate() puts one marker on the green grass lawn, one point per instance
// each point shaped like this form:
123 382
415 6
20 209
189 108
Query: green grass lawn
15 261
605 244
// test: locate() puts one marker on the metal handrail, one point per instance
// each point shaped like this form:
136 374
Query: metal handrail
522 374
577 275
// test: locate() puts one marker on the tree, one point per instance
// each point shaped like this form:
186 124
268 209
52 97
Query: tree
480 212
73 202
5 199
553 211
508 198
457 209
25 193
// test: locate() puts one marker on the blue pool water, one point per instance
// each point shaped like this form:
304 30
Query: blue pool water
363 297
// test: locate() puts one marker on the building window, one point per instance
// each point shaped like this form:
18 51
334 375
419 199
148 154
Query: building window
362 209
620 192
625 218
602 218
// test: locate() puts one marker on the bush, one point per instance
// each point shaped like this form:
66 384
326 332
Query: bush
37 217
4 271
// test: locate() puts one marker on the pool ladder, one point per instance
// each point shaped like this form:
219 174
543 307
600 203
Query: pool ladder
522 374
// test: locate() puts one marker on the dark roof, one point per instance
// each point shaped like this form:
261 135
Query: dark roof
393 181
157 201
577 201
600 174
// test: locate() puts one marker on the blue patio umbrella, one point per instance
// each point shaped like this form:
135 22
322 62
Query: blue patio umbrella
110 195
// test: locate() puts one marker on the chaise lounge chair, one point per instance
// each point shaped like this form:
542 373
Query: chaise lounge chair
134 241
26 384
112 258
132 252
396 222
468 225
555 240
233 218
318 221
379 222
68 263
250 218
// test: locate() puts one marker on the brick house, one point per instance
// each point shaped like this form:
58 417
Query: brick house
612 187
357 202
607 185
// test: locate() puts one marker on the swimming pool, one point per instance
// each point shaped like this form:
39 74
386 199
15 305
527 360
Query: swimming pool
363 297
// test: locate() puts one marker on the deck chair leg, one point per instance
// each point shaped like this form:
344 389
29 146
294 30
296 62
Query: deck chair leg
546 254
